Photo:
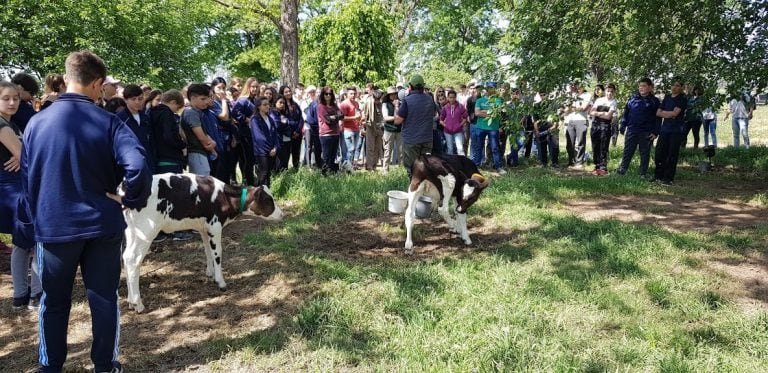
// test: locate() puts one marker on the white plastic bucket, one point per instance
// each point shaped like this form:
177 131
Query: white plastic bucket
423 207
398 200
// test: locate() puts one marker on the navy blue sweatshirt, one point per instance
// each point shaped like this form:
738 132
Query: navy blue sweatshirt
142 131
640 114
74 153
265 135
677 124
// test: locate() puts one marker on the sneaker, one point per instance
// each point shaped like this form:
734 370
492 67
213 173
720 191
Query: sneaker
34 302
578 166
603 173
501 171
667 182
183 236
161 237
621 171
20 304
596 172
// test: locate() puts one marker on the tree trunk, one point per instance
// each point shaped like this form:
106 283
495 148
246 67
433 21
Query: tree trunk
289 42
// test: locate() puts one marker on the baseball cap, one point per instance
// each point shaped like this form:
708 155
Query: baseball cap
416 80
311 89
110 80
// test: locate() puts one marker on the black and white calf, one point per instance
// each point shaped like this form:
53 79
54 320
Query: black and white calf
187 201
444 178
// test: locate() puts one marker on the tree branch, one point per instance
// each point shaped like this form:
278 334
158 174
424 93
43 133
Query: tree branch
260 9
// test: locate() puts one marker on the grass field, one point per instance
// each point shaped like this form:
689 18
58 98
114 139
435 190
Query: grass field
568 272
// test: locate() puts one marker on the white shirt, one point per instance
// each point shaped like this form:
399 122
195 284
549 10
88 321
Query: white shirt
738 109
581 104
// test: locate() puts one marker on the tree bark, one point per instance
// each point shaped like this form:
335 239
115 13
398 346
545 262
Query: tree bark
289 42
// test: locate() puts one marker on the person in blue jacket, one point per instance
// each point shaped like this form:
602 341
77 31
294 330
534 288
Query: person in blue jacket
639 126
672 131
266 141
74 157
137 120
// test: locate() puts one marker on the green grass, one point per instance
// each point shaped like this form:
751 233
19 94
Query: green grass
557 293
554 292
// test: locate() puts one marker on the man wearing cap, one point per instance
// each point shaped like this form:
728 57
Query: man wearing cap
416 116
108 90
487 127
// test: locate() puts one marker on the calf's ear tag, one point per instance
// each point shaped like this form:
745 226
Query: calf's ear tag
479 177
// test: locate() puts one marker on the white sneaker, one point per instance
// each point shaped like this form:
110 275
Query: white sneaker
501 171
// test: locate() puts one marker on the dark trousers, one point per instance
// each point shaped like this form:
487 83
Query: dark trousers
283 155
695 127
313 147
295 152
438 142
528 143
330 147
601 139
633 141
667 155
264 166
551 143
227 161
99 262
576 142
245 159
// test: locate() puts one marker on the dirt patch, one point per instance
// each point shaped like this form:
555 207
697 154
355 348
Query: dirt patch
384 236
745 279
676 213
184 308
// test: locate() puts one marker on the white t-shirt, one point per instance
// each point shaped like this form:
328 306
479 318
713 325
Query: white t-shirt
612 105
581 104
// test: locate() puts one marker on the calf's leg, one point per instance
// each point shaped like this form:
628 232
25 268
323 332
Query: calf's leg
461 222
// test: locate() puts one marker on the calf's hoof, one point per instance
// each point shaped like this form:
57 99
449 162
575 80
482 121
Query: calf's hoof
138 307
222 288
468 242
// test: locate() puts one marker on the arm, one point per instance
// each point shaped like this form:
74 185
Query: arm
131 157
170 134
668 114
204 139
402 113
11 141
387 118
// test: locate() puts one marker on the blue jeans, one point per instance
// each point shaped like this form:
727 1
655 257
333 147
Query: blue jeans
454 143
740 126
710 129
352 140
478 144
198 164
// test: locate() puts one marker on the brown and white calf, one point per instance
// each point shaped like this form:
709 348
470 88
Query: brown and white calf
189 202
444 178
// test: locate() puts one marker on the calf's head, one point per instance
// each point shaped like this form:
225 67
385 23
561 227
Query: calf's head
259 202
472 189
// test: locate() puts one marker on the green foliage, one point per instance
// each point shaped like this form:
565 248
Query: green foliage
157 42
439 73
459 34
351 45
703 41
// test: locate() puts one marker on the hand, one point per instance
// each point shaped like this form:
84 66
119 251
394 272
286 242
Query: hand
116 198
184 152
12 165
273 152
210 146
